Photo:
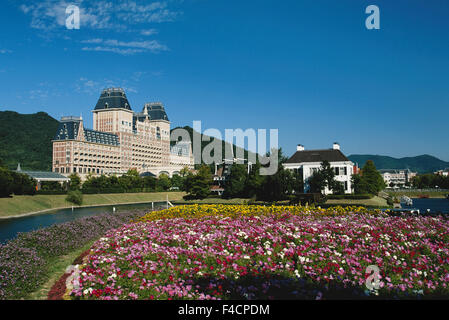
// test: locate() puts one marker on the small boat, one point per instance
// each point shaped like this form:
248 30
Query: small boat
447 196
423 196
407 201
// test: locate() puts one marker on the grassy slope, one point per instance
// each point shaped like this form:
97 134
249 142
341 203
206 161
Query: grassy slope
416 194
24 204
375 201
57 268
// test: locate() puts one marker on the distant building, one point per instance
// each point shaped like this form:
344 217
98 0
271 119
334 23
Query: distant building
398 178
121 140
222 171
443 173
307 162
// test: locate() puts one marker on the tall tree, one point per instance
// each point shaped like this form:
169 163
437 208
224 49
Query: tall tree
254 181
75 182
369 180
198 185
236 182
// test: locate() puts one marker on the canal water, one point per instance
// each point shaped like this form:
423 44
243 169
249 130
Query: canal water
9 228
434 205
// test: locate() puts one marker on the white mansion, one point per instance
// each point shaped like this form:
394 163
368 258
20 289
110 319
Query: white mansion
306 162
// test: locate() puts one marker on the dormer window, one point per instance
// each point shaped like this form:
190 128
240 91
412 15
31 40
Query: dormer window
106 105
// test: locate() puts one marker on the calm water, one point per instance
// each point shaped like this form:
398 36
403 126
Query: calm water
435 205
10 227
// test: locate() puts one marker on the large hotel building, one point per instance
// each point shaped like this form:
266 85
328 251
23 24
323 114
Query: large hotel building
121 140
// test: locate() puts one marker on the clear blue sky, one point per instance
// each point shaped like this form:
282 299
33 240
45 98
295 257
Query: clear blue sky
309 68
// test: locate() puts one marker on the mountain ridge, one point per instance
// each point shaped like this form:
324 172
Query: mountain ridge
424 163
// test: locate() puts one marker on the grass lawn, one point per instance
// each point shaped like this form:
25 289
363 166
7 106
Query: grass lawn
416 194
57 268
26 204
373 202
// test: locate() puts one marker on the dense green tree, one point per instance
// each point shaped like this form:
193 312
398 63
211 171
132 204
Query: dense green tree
163 182
359 184
12 182
23 184
130 180
317 182
75 182
278 186
198 185
369 180
328 174
430 180
149 182
235 186
324 177
338 187
298 182
75 197
6 182
254 181
177 182
184 172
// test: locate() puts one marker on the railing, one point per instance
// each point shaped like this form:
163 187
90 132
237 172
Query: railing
419 190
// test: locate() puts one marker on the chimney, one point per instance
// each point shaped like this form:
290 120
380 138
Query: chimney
336 146
300 147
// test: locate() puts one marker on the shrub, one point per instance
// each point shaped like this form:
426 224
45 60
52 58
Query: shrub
75 197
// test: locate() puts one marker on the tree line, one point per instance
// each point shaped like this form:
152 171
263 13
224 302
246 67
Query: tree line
12 182
430 181
283 185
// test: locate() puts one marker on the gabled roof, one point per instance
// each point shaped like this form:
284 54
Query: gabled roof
113 98
331 155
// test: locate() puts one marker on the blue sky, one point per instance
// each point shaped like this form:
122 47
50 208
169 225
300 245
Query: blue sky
309 68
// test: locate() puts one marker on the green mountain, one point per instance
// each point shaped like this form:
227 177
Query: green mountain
26 138
421 164
225 145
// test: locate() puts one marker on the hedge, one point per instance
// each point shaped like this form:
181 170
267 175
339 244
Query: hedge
349 196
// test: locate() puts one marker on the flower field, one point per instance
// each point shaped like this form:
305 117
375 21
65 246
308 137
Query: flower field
251 252
24 261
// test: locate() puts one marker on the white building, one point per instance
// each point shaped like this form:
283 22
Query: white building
306 162
397 177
